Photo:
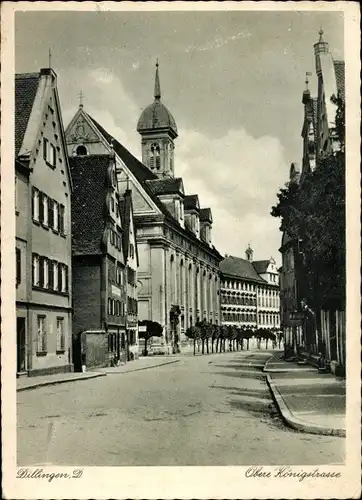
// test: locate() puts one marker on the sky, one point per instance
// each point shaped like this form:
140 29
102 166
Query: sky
233 80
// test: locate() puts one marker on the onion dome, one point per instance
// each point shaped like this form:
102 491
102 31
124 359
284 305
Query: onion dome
156 116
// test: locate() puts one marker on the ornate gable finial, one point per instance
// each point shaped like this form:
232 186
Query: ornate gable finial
321 35
307 74
157 83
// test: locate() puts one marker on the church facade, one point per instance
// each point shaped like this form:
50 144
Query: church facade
178 274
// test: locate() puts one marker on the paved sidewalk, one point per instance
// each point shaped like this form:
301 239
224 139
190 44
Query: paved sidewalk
28 383
278 365
142 363
308 401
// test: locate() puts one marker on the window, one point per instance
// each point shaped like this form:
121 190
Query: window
45 209
45 149
56 216
35 204
112 204
81 150
42 336
60 335
35 270
53 156
55 275
45 272
64 278
109 306
18 265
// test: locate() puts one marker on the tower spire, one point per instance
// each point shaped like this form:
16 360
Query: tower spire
157 83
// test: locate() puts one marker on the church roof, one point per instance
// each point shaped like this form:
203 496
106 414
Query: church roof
143 174
156 116
240 268
136 167
168 185
191 202
205 215
261 266
339 71
26 86
88 202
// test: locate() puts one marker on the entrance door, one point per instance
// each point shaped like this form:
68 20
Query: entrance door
21 346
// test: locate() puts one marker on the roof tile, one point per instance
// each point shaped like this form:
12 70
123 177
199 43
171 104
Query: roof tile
166 186
26 86
340 78
88 202
239 268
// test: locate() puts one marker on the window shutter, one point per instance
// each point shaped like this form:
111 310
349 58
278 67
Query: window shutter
45 147
59 218
50 212
66 279
41 271
50 274
61 225
32 202
41 207
18 265
60 277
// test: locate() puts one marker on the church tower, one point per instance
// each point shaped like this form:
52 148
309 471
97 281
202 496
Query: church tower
158 130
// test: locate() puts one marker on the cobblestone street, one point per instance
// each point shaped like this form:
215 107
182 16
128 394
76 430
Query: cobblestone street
203 410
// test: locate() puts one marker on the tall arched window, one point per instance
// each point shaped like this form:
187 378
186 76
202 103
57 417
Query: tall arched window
155 159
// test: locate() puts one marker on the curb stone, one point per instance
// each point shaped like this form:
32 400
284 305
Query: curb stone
295 422
143 368
267 362
59 381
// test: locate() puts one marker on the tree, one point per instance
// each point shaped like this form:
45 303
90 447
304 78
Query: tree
153 329
313 215
247 334
193 332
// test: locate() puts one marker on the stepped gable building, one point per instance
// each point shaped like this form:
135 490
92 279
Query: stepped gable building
43 190
178 274
249 292
99 263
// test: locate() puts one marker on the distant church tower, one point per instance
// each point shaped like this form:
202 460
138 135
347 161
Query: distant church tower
249 253
158 130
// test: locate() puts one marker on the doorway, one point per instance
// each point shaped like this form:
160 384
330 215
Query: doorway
21 344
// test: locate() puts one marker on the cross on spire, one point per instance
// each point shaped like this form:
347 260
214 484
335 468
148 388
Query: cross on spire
321 34
80 97
49 58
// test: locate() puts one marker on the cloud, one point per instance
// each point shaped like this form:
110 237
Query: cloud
218 42
237 175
